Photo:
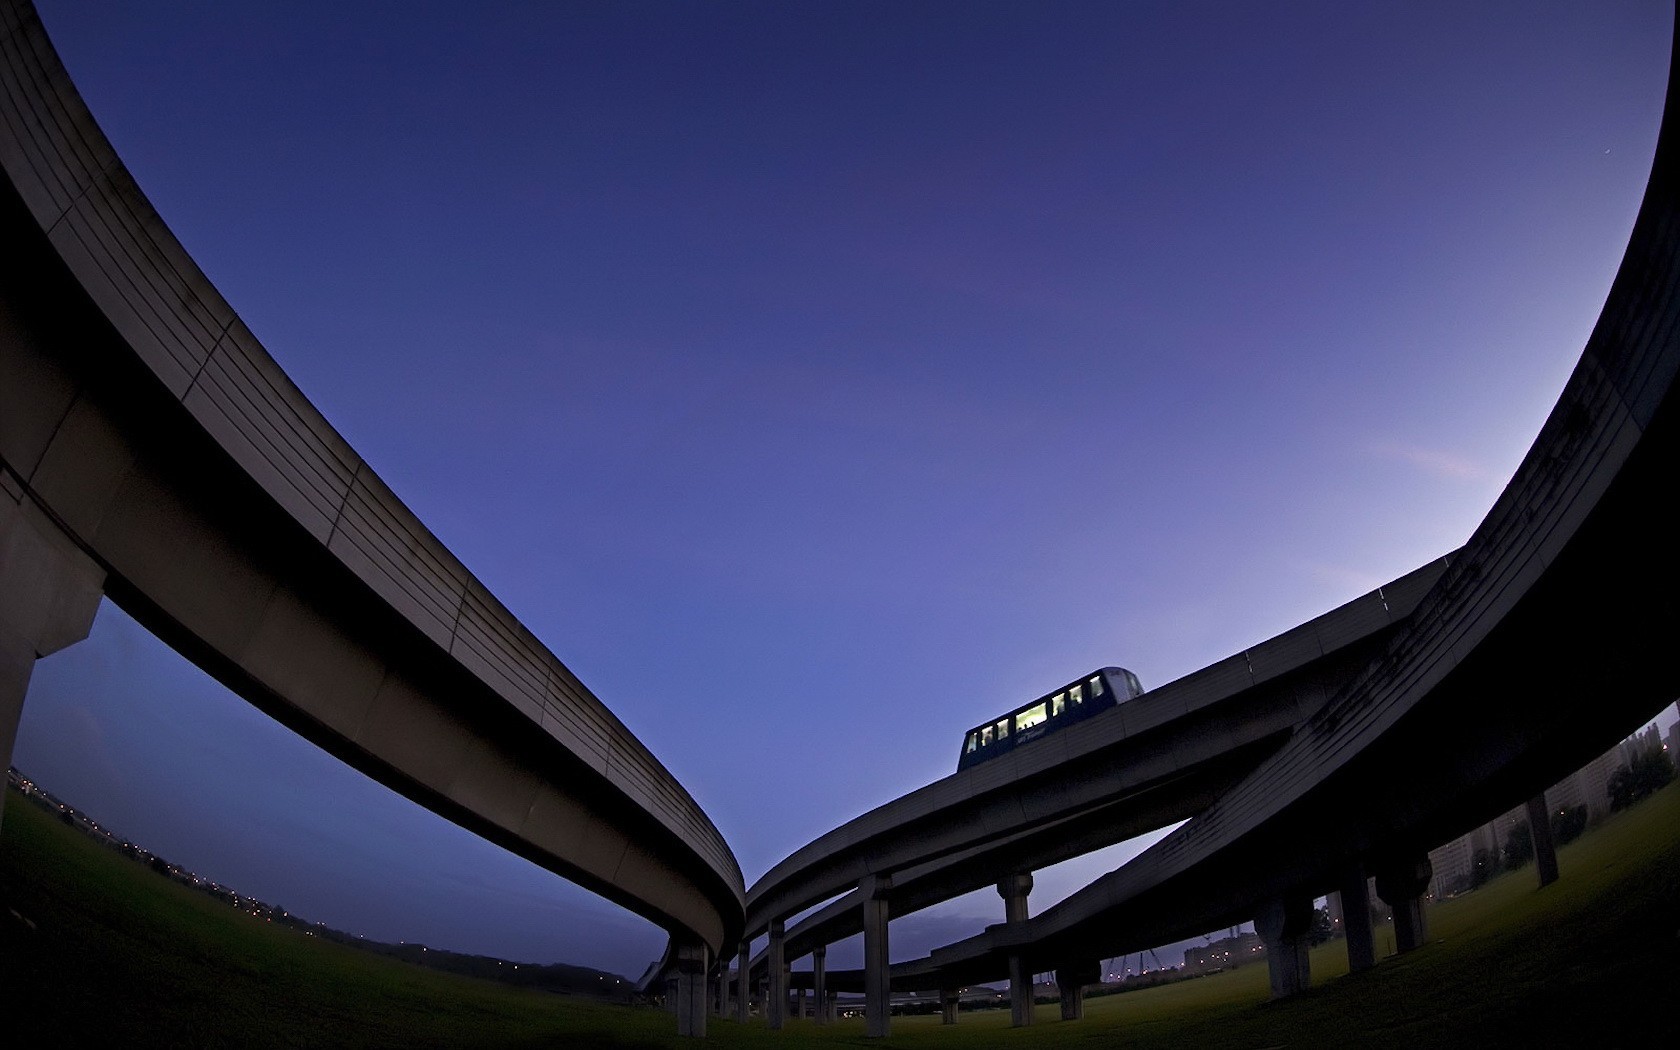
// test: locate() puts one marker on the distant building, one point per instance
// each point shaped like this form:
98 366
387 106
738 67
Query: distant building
1589 786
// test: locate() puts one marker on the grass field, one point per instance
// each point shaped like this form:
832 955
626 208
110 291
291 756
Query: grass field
113 954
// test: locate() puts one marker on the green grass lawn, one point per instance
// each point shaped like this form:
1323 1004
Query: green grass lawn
120 955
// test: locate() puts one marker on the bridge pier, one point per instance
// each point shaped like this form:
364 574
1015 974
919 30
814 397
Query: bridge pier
799 1010
1071 981
49 592
1356 918
1402 885
877 967
721 1006
775 1006
1283 924
691 989
819 978
1540 831
1014 891
948 1000
743 990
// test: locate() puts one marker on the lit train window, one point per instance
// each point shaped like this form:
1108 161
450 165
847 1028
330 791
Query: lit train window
985 736
973 742
1058 704
1077 693
1002 728
1096 684
1031 716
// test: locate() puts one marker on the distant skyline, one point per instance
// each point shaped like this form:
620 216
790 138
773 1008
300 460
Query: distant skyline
819 380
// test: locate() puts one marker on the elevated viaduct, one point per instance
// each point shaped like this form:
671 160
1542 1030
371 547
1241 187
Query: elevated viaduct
152 451
1543 640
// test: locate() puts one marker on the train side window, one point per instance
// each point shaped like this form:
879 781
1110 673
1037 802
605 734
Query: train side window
973 742
1096 684
985 736
1002 728
1077 693
1058 704
1032 716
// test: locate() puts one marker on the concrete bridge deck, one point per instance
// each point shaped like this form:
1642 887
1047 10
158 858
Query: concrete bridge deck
152 451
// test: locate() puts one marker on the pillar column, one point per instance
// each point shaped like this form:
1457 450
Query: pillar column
1401 885
1356 918
775 1006
49 591
877 968
948 1000
1071 981
1283 924
691 989
1540 831
743 991
1014 891
819 977
722 1003
799 1004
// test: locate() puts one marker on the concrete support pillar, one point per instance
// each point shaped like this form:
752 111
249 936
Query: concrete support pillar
877 967
692 964
819 978
1356 918
1540 830
948 1000
1014 891
721 1005
1071 982
830 1007
1283 924
1402 885
743 972
49 591
775 1007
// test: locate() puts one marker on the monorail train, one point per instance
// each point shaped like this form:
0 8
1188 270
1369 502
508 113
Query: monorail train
1074 702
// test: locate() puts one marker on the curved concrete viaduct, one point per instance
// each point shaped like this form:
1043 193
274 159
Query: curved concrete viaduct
1143 765
1546 638
151 450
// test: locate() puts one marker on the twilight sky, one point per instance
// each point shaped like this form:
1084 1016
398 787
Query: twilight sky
820 379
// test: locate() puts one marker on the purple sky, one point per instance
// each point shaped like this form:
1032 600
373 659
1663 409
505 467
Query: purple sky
820 379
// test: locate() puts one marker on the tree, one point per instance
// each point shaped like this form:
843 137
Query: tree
1567 824
1649 771
1321 928
1519 846
1484 865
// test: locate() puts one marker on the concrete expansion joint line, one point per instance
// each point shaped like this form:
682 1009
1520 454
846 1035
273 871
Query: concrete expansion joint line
221 338
81 193
64 529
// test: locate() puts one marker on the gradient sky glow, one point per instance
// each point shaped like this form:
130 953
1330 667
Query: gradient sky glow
820 379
